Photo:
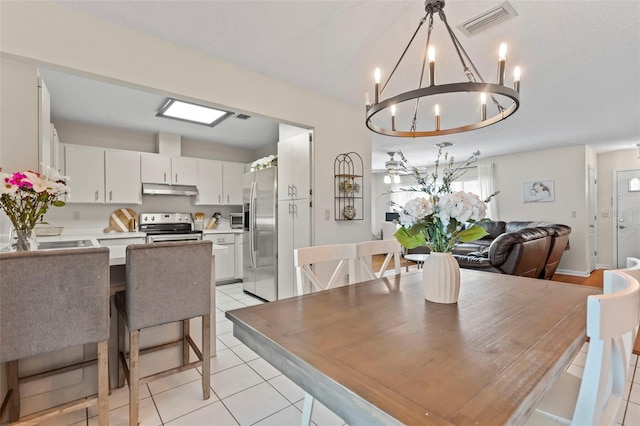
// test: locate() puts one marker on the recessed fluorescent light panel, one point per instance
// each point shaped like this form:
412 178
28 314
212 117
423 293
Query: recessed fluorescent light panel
192 113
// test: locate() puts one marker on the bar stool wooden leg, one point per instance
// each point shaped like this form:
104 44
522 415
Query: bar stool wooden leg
13 384
121 349
103 383
206 356
134 376
185 342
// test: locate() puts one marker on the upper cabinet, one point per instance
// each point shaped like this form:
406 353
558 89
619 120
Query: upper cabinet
46 150
232 182
209 182
122 177
184 171
219 182
100 176
156 168
85 168
294 174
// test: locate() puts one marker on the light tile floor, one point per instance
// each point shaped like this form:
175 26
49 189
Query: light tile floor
248 391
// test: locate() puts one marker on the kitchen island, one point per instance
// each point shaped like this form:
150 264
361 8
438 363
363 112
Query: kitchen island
42 393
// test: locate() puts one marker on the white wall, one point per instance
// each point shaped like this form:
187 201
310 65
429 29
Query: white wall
379 201
566 167
46 34
19 114
608 163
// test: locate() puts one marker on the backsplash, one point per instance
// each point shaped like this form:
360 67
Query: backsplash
97 215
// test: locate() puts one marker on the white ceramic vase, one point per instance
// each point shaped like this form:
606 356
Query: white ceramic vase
441 278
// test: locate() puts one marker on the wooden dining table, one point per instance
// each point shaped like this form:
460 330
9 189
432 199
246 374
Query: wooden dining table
377 352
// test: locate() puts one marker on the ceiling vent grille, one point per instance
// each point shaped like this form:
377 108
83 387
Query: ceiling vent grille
243 116
488 19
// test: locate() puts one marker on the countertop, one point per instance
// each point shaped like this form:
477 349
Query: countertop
117 252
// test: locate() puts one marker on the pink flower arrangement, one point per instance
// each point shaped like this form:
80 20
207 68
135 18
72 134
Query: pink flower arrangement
26 196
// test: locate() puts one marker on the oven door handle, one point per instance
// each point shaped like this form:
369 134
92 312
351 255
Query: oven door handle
252 225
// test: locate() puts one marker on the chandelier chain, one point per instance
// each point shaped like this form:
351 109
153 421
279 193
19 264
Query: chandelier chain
471 75
424 18
414 122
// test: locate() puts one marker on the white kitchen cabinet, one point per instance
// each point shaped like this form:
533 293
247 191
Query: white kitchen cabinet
45 154
184 171
225 265
100 176
219 182
85 168
294 206
294 167
294 231
122 177
239 254
55 148
232 182
209 182
157 168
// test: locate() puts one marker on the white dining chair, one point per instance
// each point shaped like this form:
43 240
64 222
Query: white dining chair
390 248
612 325
341 255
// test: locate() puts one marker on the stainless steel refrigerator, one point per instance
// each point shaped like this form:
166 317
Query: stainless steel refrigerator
260 236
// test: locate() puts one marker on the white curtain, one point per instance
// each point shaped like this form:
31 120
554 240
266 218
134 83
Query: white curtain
487 187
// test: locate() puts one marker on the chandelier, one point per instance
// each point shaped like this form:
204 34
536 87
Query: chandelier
381 115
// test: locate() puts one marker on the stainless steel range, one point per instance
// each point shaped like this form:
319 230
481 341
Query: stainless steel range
163 227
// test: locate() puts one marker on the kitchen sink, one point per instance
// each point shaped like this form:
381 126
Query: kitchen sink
52 245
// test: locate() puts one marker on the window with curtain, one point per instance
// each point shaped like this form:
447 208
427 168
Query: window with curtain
469 182
478 180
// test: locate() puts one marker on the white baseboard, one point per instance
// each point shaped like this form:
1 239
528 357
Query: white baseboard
603 266
574 273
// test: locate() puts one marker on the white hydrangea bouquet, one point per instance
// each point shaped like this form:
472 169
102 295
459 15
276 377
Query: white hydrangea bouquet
441 218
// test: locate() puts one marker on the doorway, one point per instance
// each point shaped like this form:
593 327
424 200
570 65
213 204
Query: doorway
627 224
592 219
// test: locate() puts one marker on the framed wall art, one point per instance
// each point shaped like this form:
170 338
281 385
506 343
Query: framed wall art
538 191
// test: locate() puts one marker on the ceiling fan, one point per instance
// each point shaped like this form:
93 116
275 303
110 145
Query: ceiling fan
393 165
394 168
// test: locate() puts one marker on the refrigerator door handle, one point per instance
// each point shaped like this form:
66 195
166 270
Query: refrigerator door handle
252 225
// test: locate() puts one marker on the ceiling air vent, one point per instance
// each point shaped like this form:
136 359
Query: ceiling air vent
243 116
488 19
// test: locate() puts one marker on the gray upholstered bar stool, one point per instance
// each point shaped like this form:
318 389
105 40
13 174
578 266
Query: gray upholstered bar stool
52 300
165 283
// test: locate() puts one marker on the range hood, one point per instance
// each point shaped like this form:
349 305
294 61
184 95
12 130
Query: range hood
160 189
169 144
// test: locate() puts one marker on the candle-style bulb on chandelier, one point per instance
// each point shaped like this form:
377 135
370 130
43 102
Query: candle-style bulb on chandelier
383 116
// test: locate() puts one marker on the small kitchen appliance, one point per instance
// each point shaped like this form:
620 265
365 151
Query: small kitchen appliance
165 227
236 220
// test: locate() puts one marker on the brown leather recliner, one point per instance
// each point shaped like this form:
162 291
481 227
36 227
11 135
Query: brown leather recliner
494 229
523 253
559 243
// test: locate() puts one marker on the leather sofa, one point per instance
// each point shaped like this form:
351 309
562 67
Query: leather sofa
529 249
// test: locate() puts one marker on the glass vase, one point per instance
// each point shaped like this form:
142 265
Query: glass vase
25 240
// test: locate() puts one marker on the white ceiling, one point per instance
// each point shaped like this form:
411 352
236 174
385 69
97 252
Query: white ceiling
580 64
